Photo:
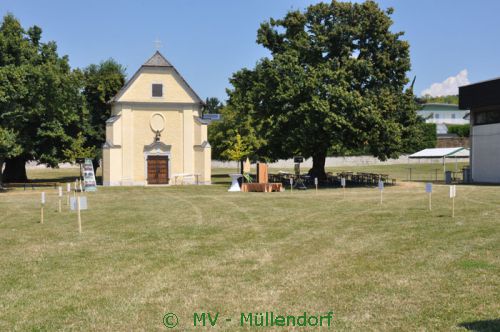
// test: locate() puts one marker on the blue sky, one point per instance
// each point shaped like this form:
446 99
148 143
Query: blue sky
452 41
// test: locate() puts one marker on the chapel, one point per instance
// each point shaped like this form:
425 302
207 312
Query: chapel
156 134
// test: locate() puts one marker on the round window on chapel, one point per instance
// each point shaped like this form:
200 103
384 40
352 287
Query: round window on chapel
157 122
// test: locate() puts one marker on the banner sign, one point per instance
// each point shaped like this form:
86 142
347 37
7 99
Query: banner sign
428 188
89 182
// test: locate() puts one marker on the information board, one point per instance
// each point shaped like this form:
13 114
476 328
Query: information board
89 182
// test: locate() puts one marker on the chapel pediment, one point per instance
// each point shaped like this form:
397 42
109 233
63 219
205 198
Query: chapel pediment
157 81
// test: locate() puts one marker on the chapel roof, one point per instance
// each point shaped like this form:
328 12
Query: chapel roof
157 60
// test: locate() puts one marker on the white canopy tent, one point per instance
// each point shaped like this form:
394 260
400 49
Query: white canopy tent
438 153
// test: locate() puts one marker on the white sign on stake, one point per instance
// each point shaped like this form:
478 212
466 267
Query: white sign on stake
41 207
60 191
342 182
68 187
83 203
428 189
381 188
453 194
291 184
453 191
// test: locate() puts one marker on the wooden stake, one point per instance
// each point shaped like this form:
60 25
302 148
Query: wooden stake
68 192
60 198
430 201
453 207
42 203
79 215
381 191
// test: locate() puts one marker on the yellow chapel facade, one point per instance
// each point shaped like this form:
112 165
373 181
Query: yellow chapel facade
155 133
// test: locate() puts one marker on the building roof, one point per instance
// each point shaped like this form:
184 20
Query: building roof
458 152
156 61
485 93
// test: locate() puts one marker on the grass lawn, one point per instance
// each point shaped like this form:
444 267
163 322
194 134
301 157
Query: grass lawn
145 252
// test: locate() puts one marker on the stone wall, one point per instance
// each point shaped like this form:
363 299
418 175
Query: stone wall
452 142
330 162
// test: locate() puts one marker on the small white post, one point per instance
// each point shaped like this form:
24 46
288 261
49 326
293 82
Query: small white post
381 188
453 207
79 217
68 192
316 184
453 193
342 183
291 185
60 198
428 190
42 201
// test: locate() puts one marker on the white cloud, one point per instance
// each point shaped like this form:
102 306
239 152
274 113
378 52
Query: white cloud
449 86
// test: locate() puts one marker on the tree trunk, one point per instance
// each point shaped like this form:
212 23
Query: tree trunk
15 170
318 169
95 164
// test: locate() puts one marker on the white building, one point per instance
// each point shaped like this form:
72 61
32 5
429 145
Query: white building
443 115
483 100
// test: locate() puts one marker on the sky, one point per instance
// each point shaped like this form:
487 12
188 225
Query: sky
453 42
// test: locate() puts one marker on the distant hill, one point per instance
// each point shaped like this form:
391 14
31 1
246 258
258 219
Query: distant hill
441 100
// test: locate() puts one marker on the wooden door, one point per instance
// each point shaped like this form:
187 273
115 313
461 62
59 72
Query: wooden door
157 169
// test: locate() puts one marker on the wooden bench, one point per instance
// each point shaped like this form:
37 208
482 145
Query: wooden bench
31 184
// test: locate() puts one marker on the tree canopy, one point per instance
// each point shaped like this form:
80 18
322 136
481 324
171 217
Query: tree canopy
213 105
101 83
46 106
39 97
335 81
451 99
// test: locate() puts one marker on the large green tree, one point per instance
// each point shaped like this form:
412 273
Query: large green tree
222 134
213 105
8 148
101 83
40 97
335 81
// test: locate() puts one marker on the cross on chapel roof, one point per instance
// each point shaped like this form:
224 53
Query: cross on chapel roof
157 60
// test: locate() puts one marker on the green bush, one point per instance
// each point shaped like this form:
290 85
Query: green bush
460 130
428 138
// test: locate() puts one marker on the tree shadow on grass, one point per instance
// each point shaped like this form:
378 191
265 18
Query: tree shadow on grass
488 325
